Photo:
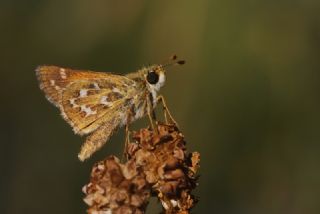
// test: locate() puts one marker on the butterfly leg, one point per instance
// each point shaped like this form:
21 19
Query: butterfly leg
151 113
166 110
127 140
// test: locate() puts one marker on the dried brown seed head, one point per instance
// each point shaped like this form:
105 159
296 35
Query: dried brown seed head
157 164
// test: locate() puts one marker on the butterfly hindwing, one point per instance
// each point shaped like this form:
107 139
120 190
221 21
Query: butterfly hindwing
98 138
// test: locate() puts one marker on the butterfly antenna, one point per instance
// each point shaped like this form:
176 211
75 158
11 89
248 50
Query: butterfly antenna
173 61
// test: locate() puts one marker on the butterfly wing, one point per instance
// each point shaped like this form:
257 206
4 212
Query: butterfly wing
91 102
86 99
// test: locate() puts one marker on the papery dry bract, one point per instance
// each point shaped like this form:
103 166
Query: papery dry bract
174 168
116 188
158 165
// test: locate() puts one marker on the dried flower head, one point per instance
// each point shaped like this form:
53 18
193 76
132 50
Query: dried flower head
158 165
116 188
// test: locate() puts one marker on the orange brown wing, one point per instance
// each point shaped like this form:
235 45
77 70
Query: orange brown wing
86 99
53 80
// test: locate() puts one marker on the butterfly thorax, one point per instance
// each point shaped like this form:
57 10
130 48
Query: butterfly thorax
148 82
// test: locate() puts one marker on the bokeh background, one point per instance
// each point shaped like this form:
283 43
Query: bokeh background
247 99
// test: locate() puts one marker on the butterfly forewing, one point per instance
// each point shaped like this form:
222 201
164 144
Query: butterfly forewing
53 80
86 99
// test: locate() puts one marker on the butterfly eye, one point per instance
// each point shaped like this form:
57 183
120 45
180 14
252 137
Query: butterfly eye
152 77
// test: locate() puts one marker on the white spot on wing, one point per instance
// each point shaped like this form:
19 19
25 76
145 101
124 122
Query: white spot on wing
83 92
87 110
116 90
52 82
96 86
72 102
104 101
63 73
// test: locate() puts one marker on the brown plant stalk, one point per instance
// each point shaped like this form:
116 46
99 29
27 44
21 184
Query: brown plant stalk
157 165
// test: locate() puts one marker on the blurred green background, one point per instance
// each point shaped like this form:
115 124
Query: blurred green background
247 99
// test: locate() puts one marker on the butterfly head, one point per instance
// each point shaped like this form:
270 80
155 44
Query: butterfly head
155 75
